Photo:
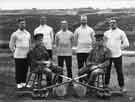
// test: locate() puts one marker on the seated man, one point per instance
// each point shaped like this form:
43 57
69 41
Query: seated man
39 54
98 58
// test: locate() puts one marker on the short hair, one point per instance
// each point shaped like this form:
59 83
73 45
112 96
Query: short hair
43 17
21 19
84 17
64 22
112 21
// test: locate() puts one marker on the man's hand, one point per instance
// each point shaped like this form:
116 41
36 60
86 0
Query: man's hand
93 67
48 64
74 50
100 65
122 47
54 46
48 70
13 50
89 64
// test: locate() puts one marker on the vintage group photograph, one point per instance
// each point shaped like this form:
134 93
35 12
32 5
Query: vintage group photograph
67 50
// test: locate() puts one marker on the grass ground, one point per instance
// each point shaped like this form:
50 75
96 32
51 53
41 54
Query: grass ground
7 83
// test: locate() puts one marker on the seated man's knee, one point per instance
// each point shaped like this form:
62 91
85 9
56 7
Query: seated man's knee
57 69
82 71
98 71
94 74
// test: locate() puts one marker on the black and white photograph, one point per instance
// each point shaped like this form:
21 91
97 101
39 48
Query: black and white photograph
67 50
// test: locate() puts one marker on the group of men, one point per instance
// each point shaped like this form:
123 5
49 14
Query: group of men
90 48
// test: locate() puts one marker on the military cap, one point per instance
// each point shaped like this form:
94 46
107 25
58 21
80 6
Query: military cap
38 36
99 35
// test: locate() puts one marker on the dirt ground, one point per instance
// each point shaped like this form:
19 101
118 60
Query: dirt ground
7 83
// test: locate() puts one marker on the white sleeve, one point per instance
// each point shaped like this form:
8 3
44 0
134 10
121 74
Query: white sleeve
93 35
12 42
72 39
52 35
35 31
30 43
105 34
124 40
105 38
76 37
56 39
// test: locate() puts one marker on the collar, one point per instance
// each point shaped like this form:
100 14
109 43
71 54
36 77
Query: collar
64 31
43 25
84 26
61 31
18 30
114 30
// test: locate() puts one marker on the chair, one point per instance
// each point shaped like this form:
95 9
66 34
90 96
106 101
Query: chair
37 79
99 82
95 81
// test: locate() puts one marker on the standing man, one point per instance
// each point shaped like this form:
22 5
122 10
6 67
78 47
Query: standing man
116 40
64 42
84 38
47 31
19 45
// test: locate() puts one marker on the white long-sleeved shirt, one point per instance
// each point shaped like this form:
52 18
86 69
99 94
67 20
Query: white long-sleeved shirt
19 43
116 40
48 35
64 42
84 37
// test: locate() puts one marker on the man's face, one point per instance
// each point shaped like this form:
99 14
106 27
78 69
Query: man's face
43 20
83 21
99 41
39 40
113 25
22 25
64 26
